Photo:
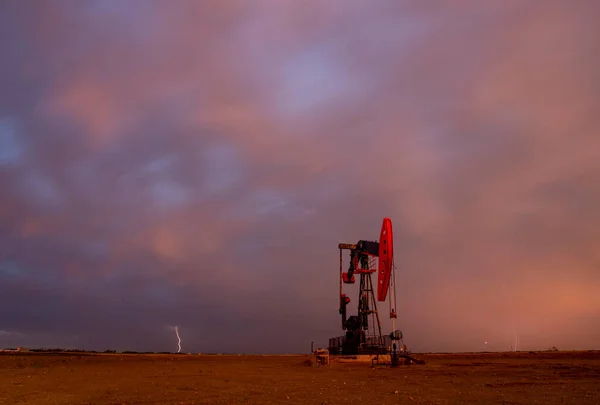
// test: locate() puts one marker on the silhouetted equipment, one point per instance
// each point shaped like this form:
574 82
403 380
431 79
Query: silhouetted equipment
363 333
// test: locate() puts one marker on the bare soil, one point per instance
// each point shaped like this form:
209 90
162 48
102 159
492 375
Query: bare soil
508 378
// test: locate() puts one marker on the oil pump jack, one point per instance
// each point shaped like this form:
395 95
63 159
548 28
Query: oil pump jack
363 333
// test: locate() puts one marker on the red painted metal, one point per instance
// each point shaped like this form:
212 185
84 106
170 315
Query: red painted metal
346 279
386 259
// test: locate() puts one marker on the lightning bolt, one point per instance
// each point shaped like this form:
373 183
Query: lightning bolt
178 339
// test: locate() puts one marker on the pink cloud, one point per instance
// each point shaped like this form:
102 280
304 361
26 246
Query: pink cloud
213 155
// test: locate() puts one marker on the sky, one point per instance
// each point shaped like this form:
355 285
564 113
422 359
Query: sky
196 163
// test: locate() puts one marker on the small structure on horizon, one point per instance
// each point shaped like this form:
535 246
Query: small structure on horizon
322 357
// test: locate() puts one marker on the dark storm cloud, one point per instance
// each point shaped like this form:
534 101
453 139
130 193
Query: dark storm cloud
196 164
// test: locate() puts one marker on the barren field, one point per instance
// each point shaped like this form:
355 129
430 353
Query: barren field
515 378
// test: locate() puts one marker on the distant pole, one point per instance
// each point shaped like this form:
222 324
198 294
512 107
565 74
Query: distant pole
312 347
341 274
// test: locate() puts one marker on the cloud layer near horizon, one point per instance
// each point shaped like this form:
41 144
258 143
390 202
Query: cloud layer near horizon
196 164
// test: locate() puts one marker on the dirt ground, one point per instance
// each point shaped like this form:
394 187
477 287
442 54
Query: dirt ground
511 378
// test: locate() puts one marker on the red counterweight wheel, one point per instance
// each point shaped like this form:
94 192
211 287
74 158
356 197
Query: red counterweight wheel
386 259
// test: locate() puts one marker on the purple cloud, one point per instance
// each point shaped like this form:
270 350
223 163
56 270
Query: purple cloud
196 164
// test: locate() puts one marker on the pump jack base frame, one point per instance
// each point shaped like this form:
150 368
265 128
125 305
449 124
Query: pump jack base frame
394 360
